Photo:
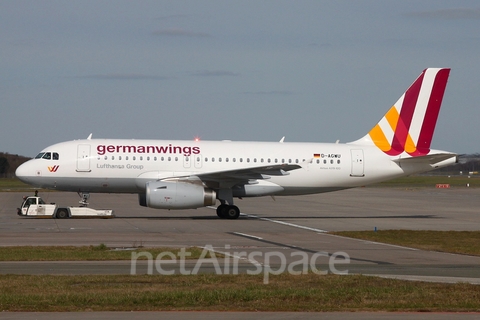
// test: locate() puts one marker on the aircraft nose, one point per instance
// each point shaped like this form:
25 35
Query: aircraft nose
23 172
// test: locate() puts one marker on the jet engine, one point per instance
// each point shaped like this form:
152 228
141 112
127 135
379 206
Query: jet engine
176 195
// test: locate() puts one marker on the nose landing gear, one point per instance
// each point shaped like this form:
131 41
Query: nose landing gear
85 196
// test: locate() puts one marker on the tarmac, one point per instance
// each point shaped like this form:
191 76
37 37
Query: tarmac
268 234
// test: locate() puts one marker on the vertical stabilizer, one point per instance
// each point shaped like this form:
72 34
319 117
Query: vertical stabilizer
409 125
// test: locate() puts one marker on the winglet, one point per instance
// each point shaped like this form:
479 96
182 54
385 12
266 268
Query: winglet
409 125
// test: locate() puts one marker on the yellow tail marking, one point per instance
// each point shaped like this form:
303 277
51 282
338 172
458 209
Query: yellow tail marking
410 146
378 137
392 117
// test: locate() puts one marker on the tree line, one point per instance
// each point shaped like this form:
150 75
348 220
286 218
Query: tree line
9 163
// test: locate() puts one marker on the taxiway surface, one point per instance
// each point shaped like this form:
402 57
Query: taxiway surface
283 228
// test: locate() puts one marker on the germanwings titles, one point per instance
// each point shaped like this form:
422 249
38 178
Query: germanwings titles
187 151
192 174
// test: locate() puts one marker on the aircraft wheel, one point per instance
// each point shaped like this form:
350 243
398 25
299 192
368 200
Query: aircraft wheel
232 212
222 211
62 214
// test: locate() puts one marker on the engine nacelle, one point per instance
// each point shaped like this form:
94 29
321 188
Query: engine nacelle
176 195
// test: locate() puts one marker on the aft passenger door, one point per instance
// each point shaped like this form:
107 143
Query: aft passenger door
357 163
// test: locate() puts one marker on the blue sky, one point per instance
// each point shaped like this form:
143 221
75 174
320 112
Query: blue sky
316 71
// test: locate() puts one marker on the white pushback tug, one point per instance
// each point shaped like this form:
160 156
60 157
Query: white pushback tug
34 206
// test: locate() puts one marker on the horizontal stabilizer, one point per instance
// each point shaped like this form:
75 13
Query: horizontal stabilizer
428 159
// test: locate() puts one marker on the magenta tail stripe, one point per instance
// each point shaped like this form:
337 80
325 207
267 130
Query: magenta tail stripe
433 108
406 115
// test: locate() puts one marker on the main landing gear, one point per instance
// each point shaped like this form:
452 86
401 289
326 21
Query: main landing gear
225 211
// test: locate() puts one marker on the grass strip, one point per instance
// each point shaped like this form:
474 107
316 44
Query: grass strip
85 253
461 242
13 184
309 292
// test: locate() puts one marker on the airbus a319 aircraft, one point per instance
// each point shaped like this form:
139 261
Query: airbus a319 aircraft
169 174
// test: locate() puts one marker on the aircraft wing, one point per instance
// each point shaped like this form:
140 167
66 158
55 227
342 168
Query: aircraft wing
240 176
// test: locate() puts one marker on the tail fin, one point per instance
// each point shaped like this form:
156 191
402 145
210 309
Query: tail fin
409 125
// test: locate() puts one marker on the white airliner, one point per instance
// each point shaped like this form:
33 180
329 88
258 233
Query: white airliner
169 174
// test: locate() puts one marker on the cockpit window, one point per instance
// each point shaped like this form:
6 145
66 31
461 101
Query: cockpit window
48 155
